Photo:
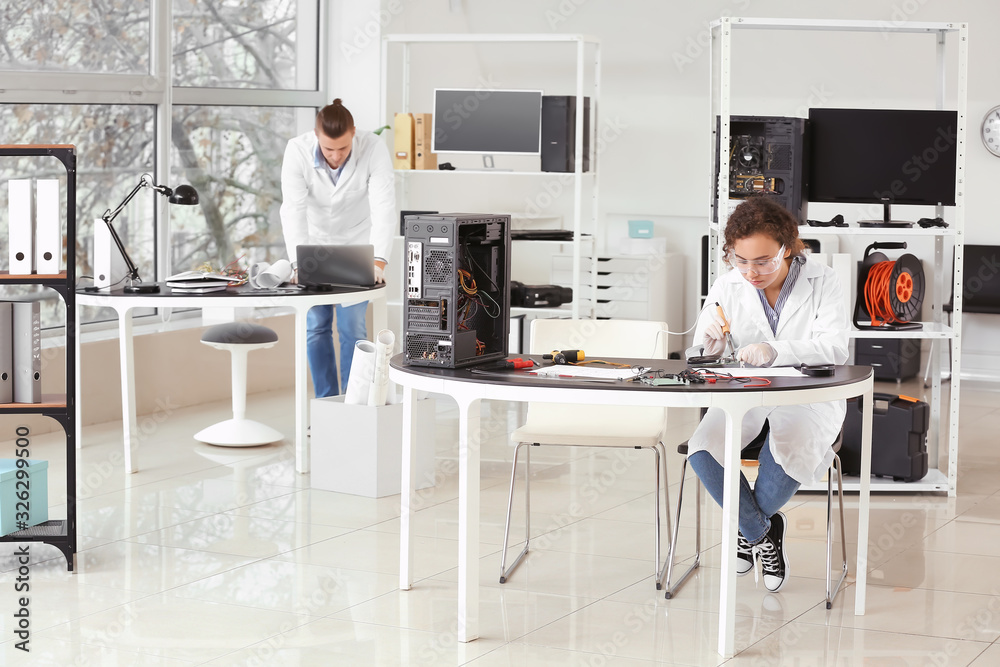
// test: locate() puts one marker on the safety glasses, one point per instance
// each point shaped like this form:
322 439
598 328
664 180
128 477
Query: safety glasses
762 267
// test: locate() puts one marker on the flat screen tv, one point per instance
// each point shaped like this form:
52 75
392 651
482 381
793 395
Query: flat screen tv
867 155
487 121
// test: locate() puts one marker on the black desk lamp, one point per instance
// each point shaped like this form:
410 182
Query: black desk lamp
183 194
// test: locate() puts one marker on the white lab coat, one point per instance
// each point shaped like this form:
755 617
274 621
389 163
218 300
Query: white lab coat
812 329
360 209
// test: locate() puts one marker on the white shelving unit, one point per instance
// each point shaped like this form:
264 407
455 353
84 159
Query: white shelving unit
581 179
935 329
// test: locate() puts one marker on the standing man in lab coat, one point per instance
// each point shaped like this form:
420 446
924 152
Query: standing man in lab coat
337 188
783 309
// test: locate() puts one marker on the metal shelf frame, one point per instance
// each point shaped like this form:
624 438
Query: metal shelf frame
936 330
581 42
60 533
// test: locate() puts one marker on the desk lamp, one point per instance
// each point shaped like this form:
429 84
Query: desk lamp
183 194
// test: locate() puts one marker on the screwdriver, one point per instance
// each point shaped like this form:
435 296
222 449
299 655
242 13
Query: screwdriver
725 328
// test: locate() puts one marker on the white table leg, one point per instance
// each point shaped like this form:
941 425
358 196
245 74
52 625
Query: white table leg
861 577
730 525
127 352
407 497
468 520
301 400
380 317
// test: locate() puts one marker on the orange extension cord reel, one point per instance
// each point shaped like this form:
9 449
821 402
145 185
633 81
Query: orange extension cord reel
890 292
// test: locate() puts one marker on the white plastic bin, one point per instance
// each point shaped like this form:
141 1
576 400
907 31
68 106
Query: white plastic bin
357 449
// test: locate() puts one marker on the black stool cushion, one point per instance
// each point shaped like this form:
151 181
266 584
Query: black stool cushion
239 333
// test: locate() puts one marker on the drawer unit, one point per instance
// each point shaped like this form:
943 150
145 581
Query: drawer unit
637 287
891 358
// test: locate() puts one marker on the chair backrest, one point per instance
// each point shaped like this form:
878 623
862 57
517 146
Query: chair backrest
601 338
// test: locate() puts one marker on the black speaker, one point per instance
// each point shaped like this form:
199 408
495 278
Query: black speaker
559 133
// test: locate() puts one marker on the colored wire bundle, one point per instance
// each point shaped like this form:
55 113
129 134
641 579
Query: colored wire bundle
879 291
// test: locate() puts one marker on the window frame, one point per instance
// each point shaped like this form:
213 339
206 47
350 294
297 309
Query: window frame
155 89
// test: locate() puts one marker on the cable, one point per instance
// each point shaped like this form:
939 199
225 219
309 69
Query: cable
878 293
656 339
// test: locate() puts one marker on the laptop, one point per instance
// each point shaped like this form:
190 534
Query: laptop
328 266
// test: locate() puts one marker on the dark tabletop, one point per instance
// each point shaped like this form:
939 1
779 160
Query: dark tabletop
488 374
242 290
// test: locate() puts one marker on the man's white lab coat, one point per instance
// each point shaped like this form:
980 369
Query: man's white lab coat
812 329
360 209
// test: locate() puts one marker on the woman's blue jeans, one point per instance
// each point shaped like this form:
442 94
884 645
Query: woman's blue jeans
770 492
319 344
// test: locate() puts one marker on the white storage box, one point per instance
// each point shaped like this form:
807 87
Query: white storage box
358 448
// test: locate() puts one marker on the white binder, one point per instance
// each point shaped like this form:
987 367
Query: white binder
6 353
48 233
109 265
27 352
20 226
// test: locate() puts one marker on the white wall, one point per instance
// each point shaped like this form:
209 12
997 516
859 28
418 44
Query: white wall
655 94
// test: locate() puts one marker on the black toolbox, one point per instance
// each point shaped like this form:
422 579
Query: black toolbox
899 437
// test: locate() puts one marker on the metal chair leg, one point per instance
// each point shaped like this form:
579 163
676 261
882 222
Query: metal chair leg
505 573
659 459
831 592
672 588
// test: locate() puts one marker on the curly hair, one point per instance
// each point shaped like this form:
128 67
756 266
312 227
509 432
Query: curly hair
762 215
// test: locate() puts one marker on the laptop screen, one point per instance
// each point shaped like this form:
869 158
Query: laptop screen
347 265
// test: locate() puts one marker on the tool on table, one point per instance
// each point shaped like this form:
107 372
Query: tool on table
515 364
565 356
725 329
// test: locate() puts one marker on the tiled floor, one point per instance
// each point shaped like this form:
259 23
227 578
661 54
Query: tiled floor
227 557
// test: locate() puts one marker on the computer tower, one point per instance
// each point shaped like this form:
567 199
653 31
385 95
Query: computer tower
767 155
457 292
559 133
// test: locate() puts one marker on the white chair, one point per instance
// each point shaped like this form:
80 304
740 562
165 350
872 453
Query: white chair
593 425
239 338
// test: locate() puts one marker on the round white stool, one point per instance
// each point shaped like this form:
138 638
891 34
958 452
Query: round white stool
239 338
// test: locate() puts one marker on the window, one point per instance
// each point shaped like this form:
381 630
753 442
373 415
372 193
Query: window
232 156
268 44
114 144
227 143
111 36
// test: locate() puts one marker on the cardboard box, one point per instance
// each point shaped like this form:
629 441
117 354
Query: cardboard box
37 486
357 449
423 130
402 154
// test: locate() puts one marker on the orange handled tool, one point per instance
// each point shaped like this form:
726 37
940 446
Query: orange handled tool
725 328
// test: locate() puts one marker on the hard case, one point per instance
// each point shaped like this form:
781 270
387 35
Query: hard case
899 437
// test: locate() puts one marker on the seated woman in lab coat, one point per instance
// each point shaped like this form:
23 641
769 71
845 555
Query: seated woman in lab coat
784 310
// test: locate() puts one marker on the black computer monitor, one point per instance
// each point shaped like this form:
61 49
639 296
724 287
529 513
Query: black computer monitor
487 121
864 156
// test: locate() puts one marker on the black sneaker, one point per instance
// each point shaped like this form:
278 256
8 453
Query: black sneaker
744 555
771 551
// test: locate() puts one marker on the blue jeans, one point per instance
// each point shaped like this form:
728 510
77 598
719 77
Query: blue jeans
772 490
319 344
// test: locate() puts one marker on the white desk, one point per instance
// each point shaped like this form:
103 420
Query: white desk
469 389
123 304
